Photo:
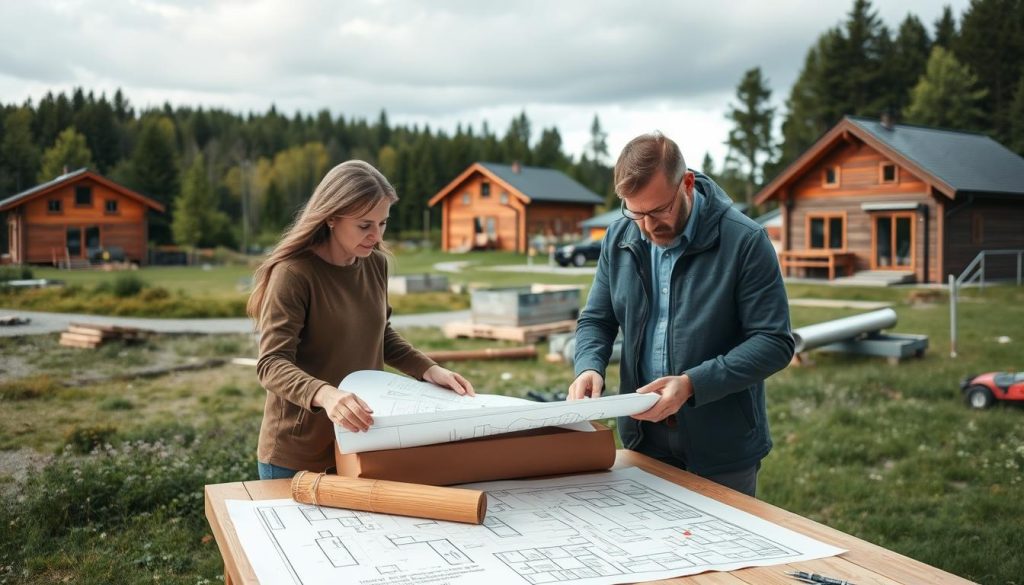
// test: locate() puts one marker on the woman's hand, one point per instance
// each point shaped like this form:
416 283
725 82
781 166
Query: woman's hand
448 379
344 408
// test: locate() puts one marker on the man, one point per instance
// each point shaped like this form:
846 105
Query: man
696 288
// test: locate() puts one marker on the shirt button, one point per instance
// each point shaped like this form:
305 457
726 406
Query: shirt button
664 291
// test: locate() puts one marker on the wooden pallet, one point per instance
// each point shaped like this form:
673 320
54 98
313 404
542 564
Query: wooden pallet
524 334
93 335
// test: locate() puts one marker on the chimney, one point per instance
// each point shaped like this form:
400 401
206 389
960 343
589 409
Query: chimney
516 167
887 121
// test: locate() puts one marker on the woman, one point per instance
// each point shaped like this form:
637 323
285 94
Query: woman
320 303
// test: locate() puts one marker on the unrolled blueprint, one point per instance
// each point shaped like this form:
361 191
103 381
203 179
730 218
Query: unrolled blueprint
597 529
409 413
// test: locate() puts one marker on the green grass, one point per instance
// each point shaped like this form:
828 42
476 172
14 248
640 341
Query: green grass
887 453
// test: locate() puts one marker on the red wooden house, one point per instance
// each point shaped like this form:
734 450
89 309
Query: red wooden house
914 202
75 217
503 206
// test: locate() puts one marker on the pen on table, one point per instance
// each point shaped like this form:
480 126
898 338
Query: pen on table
817 579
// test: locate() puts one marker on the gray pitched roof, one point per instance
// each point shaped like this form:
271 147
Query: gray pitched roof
964 160
30 192
544 184
602 220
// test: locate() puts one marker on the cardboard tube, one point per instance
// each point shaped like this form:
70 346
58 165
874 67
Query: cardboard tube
390 497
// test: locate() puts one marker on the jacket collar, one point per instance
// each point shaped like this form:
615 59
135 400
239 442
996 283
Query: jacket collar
706 234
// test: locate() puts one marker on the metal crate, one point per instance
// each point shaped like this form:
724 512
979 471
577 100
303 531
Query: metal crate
525 305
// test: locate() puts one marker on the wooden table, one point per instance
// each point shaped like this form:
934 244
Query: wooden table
863 564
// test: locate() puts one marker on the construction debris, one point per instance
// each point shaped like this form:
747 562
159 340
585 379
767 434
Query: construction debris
11 320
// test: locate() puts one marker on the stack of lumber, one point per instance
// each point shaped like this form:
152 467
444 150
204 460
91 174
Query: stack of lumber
92 335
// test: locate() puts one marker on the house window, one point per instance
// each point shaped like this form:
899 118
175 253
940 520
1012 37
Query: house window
830 177
977 229
465 198
888 173
485 189
83 196
110 206
53 206
504 197
826 231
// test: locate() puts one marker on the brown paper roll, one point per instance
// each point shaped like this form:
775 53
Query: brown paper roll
390 497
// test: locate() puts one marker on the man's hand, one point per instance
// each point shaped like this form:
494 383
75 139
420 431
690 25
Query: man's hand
344 408
448 379
589 384
674 391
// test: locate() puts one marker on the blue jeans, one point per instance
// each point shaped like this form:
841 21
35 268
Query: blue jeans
271 471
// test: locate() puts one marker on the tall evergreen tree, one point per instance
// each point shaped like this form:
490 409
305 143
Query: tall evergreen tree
516 144
68 153
197 221
153 171
19 154
1017 120
597 146
907 62
548 152
945 29
750 139
947 95
991 43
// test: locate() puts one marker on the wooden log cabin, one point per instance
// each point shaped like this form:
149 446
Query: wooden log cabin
74 218
501 207
911 201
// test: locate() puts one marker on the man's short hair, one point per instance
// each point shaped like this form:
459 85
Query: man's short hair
641 160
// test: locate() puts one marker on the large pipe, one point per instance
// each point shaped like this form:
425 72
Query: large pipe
820 334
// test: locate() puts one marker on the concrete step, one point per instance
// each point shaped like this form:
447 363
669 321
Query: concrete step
877 278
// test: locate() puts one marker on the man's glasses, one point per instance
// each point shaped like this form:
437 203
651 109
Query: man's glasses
656 212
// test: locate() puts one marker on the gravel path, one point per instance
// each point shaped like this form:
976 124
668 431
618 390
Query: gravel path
53 322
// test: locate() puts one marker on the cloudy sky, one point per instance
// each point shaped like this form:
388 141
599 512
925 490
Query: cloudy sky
639 66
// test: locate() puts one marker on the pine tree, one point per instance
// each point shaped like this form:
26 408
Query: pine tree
69 152
1017 120
154 171
907 62
947 95
548 152
18 152
598 144
991 44
750 139
516 144
945 29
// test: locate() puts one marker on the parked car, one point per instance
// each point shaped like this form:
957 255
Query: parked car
983 390
578 253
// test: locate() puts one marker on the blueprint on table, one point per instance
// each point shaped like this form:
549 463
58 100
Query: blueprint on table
596 529
409 413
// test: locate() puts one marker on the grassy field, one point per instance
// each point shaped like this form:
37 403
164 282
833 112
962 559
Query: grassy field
887 453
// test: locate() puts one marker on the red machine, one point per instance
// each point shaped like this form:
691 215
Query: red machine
982 391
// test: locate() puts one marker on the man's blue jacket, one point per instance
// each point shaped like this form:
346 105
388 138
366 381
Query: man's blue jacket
728 330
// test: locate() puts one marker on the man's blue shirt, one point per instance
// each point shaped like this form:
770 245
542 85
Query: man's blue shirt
663 261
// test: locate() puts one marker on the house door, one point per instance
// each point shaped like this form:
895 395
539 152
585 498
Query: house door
77 248
892 241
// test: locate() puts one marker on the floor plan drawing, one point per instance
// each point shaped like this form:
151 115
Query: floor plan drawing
597 529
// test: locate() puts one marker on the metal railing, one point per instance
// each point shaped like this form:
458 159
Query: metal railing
975 271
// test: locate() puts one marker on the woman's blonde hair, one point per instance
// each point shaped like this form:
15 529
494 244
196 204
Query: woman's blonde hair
350 189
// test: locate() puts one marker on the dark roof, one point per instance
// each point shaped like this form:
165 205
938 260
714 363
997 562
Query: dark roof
541 184
964 160
30 192
767 216
602 220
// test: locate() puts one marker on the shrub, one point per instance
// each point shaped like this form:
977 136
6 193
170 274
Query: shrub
127 285
28 388
229 391
156 293
116 403
86 438
15 273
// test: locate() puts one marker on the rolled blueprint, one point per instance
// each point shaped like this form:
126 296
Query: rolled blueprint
390 497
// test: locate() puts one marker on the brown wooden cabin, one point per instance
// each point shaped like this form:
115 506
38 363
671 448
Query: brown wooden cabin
63 221
502 207
870 195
